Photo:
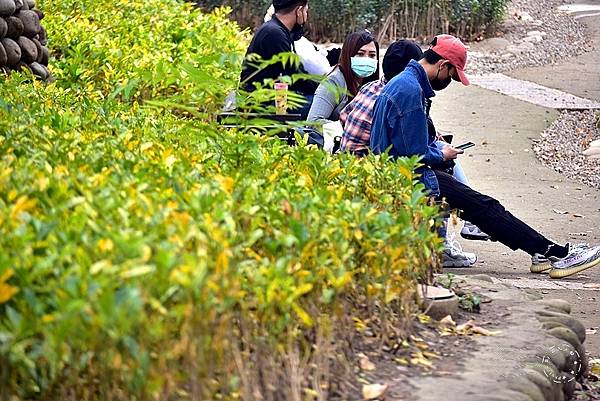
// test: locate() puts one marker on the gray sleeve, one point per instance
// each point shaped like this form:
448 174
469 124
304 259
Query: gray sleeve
328 97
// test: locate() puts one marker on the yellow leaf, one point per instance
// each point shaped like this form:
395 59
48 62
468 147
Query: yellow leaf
48 318
402 361
419 359
595 366
226 183
22 205
146 253
6 291
137 271
302 314
359 324
105 245
303 289
222 263
99 266
42 182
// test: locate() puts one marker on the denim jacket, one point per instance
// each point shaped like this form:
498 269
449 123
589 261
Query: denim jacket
400 122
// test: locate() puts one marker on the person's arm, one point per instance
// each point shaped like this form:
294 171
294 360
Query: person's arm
413 135
327 98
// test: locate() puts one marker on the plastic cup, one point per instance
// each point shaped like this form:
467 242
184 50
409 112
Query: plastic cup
281 97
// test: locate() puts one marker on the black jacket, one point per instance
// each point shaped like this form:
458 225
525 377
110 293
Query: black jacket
273 38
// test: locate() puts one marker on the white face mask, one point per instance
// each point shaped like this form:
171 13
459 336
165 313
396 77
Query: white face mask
363 66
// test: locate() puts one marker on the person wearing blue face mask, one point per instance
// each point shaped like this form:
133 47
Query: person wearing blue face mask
358 65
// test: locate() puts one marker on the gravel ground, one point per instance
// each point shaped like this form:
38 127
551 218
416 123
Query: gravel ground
560 146
535 33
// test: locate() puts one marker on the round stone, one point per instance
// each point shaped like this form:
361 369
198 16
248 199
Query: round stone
558 305
39 70
13 52
15 27
3 28
567 320
29 52
42 36
44 56
7 8
3 57
549 389
31 23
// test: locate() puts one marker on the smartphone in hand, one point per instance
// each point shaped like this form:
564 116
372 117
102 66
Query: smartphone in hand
464 146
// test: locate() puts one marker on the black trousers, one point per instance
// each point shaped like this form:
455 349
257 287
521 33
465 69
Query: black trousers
490 216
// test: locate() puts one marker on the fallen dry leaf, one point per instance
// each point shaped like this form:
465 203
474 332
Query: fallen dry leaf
595 366
465 326
419 359
483 332
374 391
578 215
448 321
365 364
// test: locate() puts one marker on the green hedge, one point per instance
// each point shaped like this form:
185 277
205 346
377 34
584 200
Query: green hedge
391 19
147 255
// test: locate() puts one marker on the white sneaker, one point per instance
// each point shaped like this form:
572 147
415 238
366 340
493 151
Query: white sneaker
472 232
579 258
539 263
454 256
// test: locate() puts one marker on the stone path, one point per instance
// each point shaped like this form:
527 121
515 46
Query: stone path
533 93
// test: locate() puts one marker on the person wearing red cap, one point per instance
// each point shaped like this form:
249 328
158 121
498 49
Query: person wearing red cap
399 129
273 38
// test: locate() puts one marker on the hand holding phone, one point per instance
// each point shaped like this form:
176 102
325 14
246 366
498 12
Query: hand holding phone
464 146
451 153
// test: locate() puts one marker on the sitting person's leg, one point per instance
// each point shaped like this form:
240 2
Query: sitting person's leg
469 231
488 214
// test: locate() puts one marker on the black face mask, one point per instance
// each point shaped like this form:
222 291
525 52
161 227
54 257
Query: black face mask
440 84
297 32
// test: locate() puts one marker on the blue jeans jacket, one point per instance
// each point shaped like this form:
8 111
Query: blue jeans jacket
400 122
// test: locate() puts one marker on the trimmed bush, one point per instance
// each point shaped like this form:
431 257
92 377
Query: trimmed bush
150 254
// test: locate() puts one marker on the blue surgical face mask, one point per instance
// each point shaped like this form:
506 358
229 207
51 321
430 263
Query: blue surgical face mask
363 66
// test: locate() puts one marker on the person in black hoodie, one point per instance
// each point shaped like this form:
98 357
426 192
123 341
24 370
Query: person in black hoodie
275 37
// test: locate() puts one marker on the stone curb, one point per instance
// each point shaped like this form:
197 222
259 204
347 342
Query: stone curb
538 355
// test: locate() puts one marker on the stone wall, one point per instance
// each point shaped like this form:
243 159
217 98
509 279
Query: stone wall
22 38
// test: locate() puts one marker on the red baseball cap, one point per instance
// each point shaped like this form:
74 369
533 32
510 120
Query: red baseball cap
452 49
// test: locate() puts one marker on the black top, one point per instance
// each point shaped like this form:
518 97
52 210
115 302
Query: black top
273 38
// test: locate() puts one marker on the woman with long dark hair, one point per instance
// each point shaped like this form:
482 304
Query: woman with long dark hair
358 64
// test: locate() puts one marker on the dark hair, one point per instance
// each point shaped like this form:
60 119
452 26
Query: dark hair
351 46
397 57
289 8
333 56
431 57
